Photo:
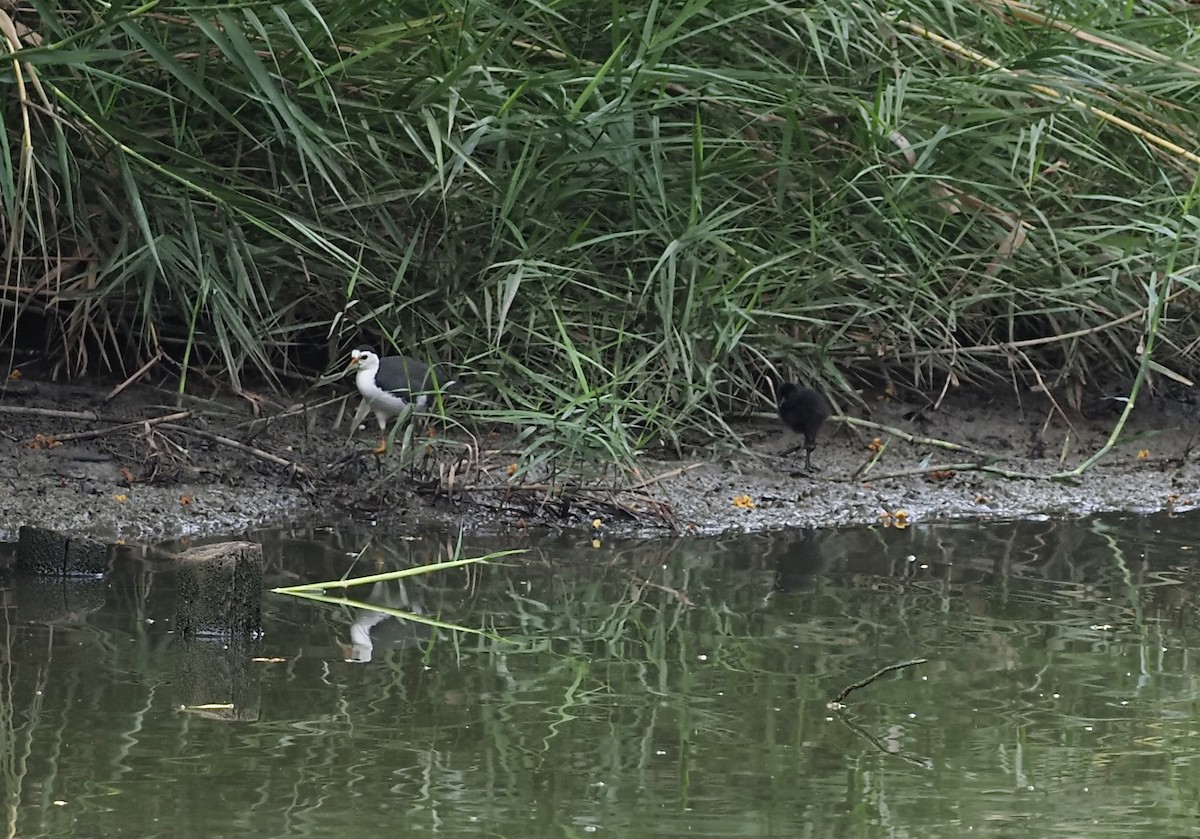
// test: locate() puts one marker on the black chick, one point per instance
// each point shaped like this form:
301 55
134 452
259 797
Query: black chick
804 411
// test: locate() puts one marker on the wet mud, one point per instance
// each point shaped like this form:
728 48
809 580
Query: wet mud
148 464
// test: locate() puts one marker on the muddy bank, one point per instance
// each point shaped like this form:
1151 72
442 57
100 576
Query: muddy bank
1149 470
74 461
147 464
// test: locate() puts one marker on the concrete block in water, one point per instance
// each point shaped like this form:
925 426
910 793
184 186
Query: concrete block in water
219 590
44 552
41 552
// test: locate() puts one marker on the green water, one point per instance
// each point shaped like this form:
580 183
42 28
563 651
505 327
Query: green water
663 688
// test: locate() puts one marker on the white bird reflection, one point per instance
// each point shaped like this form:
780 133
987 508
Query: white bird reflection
372 628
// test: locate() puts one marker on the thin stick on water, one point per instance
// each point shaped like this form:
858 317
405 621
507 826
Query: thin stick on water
837 700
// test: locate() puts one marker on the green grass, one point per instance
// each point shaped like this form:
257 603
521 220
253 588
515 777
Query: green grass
626 218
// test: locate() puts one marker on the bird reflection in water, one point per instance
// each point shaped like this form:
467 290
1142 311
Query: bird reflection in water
799 562
373 629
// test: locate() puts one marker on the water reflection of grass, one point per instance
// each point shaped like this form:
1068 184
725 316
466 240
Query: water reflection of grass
318 591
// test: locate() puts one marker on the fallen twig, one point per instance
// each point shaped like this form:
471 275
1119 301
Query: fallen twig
141 371
113 429
227 441
662 476
869 464
1045 388
837 700
986 468
90 416
913 438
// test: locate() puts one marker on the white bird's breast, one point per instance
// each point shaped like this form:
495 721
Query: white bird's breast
378 398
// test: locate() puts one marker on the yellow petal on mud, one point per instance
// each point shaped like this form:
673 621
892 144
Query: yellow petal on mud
120 498
1143 454
743 501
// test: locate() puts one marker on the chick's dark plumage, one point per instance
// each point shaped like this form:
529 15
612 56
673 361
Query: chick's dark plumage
804 411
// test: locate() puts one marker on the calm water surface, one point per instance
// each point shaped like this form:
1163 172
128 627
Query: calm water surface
665 688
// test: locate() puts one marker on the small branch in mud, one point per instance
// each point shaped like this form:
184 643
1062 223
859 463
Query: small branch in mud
836 702
985 468
228 441
126 426
662 476
913 438
984 465
141 371
90 416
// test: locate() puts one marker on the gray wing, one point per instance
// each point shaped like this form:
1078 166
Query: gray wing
397 373
403 376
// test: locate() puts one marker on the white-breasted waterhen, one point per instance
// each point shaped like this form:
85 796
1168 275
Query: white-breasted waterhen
804 411
391 384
